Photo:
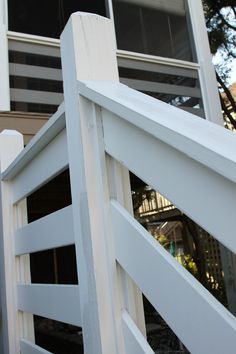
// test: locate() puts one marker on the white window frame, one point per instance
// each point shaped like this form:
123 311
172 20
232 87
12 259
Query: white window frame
4 65
204 66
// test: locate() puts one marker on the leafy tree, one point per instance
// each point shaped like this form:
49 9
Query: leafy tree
221 24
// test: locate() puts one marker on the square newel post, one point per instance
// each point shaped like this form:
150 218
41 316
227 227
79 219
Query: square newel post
89 53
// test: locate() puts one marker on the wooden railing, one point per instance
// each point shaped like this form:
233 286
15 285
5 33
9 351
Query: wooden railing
155 204
104 130
35 73
36 77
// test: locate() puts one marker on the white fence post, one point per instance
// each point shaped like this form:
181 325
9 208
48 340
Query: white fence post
14 324
4 65
88 53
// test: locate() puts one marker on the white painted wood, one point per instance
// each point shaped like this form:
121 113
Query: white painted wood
4 70
197 111
197 318
156 59
34 71
88 51
11 143
119 186
4 13
52 231
33 96
29 348
25 320
50 161
202 141
58 302
149 86
48 132
168 68
199 191
28 43
210 95
134 340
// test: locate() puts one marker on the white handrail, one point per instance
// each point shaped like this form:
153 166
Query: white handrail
201 140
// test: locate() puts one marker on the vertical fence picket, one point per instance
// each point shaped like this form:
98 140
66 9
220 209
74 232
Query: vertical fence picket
119 185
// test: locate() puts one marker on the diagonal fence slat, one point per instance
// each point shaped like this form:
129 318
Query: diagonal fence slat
27 347
134 340
52 231
48 163
57 302
197 318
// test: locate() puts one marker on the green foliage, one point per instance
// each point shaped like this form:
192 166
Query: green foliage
163 240
140 194
220 21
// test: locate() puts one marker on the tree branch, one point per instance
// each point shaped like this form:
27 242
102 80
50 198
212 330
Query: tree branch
227 92
227 112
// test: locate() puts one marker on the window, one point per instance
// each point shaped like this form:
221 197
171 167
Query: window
153 27
48 18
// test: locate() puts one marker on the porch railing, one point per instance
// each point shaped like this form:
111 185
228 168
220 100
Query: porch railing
36 77
104 130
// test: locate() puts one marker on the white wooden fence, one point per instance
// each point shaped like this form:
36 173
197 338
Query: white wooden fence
103 130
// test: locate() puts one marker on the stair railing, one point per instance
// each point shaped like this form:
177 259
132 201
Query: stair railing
104 130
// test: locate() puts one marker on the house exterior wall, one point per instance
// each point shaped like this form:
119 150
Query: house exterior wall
30 90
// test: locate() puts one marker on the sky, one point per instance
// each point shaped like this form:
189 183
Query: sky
233 73
231 18
232 77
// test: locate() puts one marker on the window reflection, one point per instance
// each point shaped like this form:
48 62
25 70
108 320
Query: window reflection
48 18
153 27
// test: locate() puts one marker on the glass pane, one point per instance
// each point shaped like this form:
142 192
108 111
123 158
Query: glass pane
153 27
47 18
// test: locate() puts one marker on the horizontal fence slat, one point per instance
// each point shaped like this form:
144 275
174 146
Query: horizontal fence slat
27 347
197 318
34 71
167 69
49 162
148 86
33 96
52 231
135 343
198 191
43 47
57 302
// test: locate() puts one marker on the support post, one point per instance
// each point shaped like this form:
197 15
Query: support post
89 53
4 66
207 77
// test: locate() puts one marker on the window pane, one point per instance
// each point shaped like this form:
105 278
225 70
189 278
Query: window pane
47 18
153 27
